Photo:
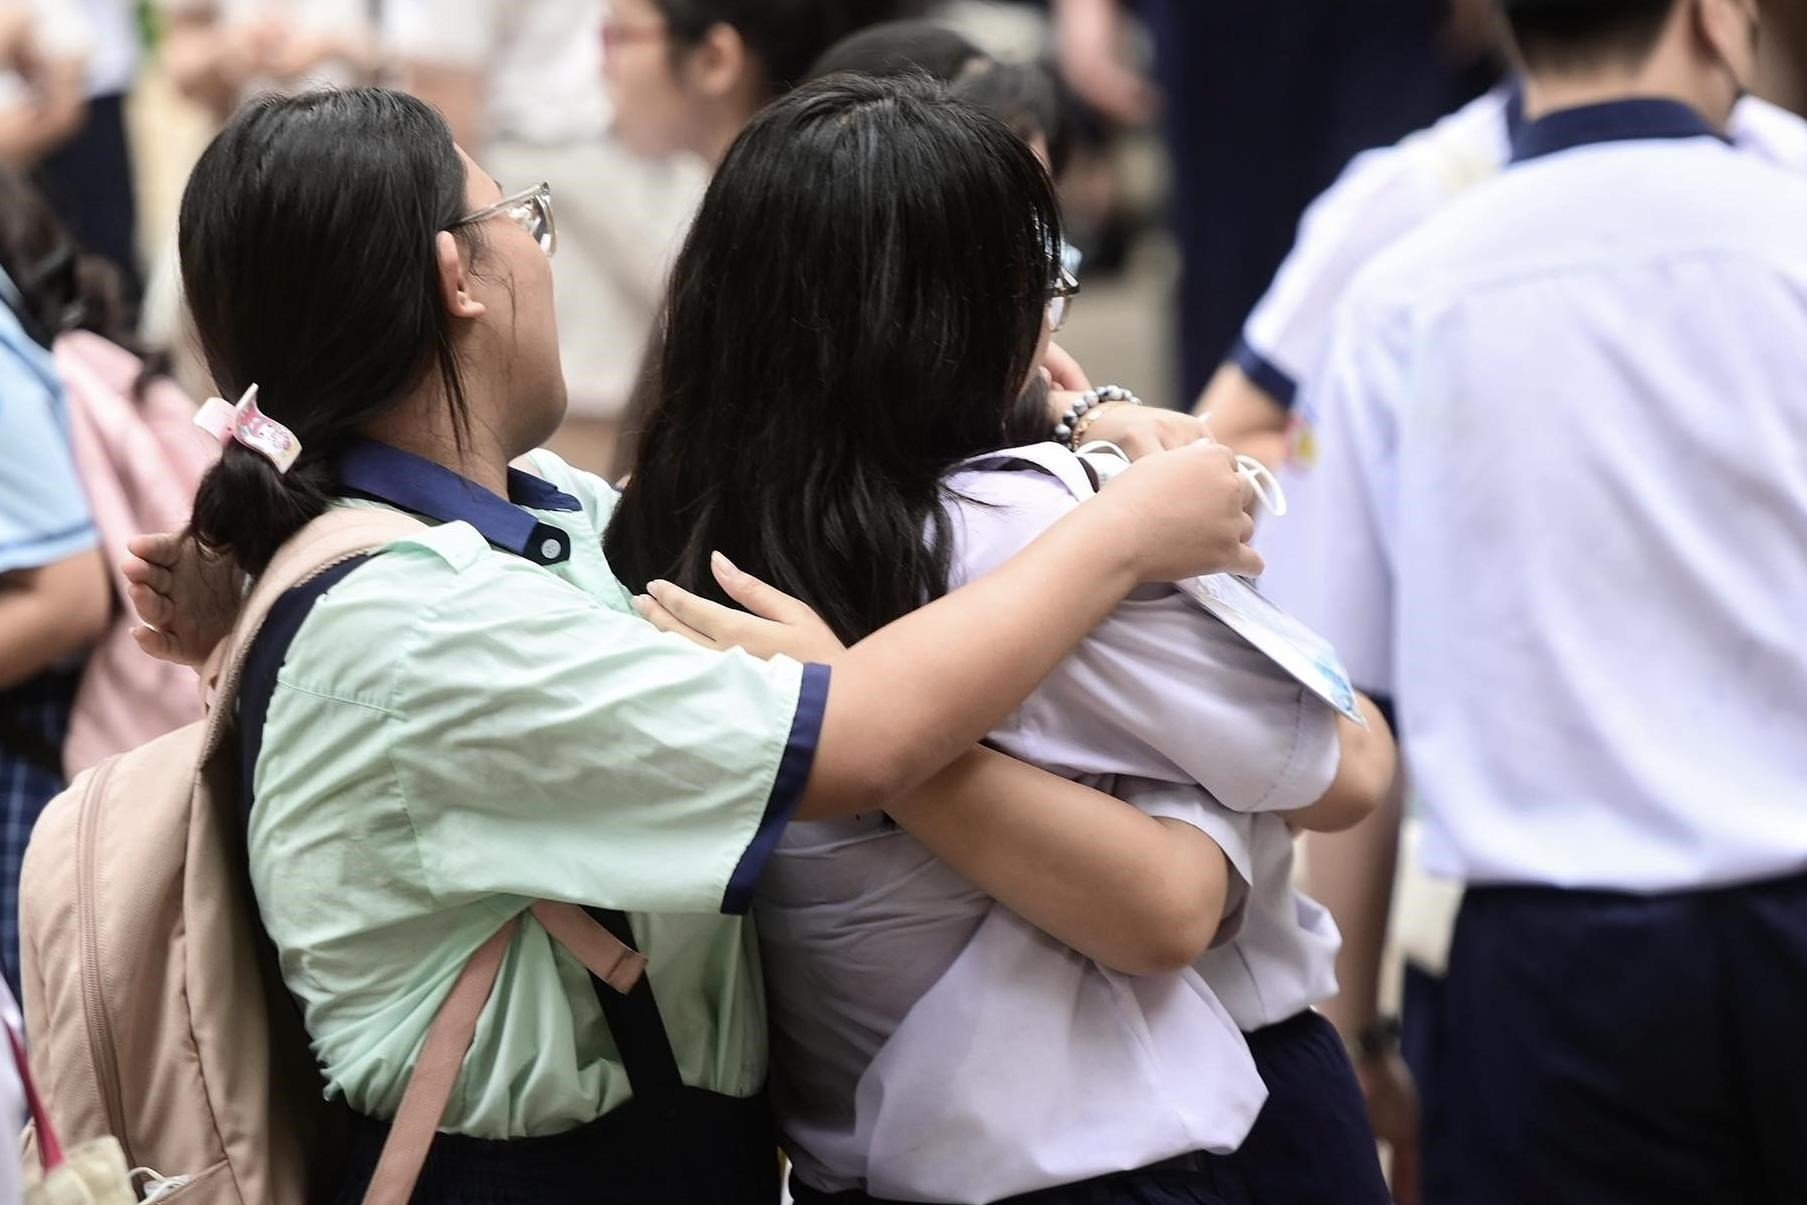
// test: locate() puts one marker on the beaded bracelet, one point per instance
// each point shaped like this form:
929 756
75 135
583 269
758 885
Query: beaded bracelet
1078 419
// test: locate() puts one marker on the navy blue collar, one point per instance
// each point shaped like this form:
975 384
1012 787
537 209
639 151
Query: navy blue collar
1614 121
1515 108
413 483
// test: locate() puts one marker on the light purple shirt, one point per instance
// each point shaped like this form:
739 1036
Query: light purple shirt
928 1044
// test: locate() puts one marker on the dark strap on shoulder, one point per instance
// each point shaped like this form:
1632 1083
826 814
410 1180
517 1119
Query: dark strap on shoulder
633 1019
257 682
637 1026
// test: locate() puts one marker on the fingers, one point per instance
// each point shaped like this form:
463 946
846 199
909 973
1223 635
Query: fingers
714 621
1246 562
1250 495
153 608
159 548
141 572
1064 372
160 645
655 614
764 600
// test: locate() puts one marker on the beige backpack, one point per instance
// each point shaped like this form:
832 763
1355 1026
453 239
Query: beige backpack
152 1002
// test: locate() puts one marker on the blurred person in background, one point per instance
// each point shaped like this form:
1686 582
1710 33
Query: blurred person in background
88 178
44 50
55 590
1256 401
1263 104
1024 96
521 84
685 76
1385 193
1598 687
220 51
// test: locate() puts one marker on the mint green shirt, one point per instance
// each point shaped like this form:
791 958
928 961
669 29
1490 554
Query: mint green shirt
458 730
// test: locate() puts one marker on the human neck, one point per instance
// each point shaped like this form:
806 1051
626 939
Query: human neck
717 139
422 424
728 117
1668 74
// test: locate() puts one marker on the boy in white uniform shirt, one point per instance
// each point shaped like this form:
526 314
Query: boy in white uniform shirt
1540 413
1259 402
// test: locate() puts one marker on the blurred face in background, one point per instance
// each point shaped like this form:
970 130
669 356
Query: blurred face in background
656 107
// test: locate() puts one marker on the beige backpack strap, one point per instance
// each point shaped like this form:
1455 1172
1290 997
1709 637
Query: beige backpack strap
436 1073
606 956
442 1056
336 536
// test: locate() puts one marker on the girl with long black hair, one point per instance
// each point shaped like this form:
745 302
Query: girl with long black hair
867 287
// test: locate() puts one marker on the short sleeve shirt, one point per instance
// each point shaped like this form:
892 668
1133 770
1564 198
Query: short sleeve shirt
44 514
474 719
1561 508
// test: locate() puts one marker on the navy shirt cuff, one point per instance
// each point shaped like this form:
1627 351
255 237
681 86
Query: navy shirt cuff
1268 376
787 789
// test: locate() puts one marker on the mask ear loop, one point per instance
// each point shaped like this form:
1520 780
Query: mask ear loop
1261 479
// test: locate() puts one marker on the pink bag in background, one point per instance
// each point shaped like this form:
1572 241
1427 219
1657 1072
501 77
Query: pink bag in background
140 461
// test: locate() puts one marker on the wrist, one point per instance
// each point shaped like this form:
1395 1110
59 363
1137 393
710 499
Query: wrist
1072 426
1374 1042
1094 542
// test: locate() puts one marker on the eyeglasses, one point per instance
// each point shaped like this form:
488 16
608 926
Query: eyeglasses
616 34
1060 299
531 210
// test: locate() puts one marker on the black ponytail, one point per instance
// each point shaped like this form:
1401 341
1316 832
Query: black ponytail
307 243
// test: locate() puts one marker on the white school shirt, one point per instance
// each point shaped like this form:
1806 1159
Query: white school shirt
1563 500
1382 196
930 1045
114 54
1386 193
542 60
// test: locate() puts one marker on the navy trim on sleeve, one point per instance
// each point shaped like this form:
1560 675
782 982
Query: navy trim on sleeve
1272 379
787 789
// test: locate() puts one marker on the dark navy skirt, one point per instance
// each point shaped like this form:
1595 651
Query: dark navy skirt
38 709
706 1149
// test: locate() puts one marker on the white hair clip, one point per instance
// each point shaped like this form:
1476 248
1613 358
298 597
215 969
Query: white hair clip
250 427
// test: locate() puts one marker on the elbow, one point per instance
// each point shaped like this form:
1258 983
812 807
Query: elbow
1342 808
1367 768
848 786
1169 934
